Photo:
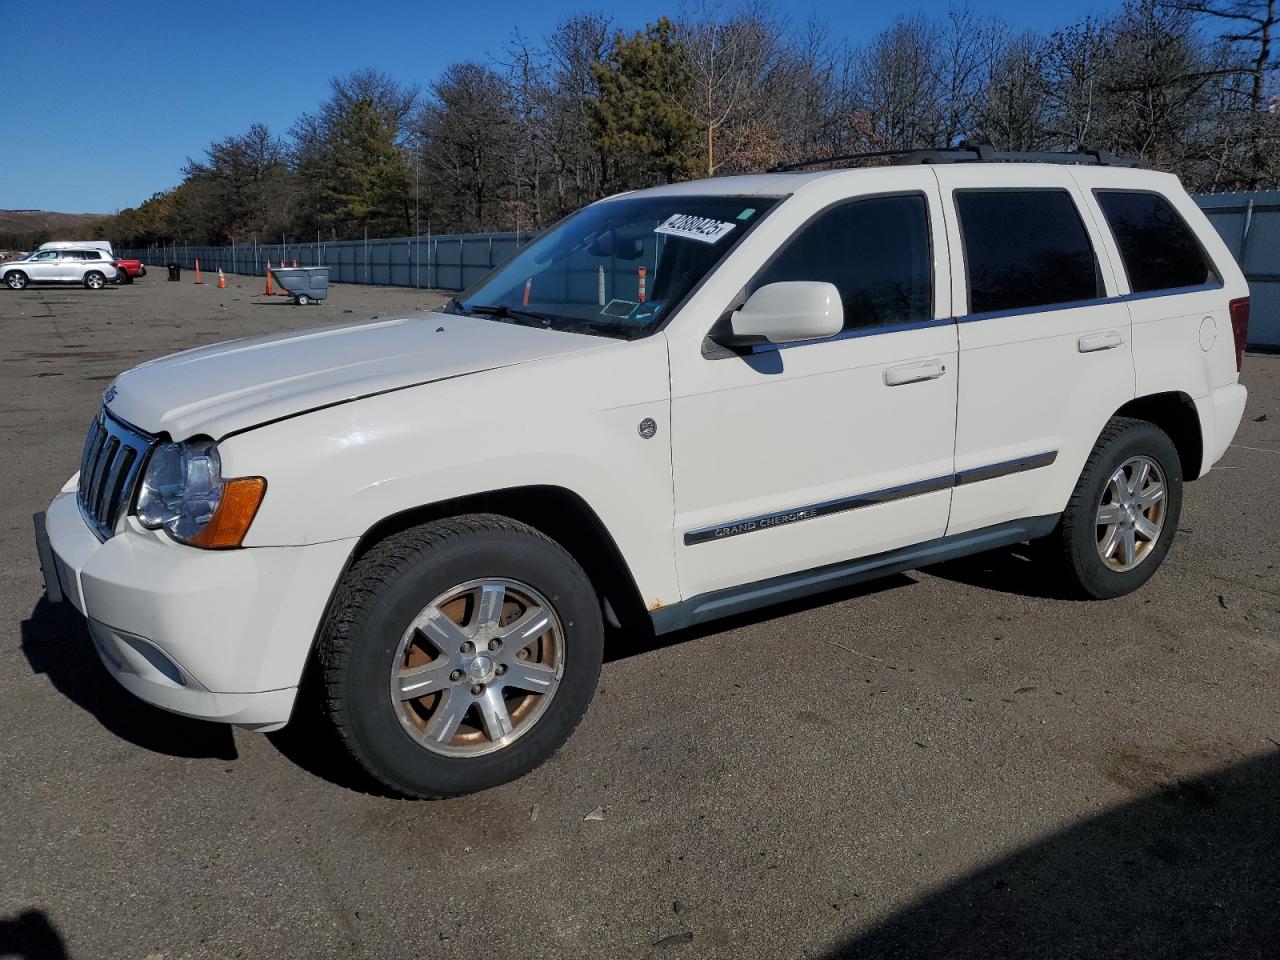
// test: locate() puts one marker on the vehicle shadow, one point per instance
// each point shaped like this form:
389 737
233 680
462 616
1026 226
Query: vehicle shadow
56 643
310 743
1017 569
1186 872
30 936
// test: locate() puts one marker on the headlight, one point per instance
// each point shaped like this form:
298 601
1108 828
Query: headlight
183 491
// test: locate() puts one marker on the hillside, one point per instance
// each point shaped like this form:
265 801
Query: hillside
43 221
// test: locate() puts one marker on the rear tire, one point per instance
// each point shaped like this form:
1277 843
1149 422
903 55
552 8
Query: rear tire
94 280
1123 514
402 620
15 280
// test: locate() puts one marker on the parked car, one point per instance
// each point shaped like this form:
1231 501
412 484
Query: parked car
91 268
130 269
104 245
678 404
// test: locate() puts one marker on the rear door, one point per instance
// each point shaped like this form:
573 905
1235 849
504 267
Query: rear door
1046 354
71 265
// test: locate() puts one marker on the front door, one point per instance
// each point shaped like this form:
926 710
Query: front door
43 267
795 456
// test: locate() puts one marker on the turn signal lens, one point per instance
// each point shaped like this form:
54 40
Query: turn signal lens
230 521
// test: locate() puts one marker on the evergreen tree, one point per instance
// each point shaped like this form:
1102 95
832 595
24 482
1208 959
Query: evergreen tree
637 119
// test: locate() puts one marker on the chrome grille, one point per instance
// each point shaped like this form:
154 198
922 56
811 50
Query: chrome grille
109 467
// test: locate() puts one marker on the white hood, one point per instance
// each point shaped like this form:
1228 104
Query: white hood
231 386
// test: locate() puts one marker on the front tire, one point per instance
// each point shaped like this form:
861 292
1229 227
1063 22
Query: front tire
459 655
93 280
1123 513
15 280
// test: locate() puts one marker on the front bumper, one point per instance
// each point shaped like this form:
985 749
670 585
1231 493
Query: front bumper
216 634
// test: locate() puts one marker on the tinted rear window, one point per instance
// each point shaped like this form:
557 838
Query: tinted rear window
1158 248
875 252
1025 248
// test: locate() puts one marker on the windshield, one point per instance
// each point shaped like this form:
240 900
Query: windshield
615 268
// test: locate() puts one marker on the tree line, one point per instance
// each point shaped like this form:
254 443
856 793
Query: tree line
590 110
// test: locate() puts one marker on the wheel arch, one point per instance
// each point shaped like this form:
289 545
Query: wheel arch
556 512
1175 413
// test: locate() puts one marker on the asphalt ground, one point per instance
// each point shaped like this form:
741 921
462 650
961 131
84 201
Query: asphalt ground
954 762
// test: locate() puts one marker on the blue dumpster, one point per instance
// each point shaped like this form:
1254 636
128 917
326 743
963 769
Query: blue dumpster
307 284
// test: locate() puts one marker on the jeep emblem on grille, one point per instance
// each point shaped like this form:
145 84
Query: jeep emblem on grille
109 394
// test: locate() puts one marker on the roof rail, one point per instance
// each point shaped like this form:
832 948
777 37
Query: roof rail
968 152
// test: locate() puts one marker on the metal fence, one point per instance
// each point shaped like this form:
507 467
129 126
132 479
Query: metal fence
1248 222
1250 225
446 262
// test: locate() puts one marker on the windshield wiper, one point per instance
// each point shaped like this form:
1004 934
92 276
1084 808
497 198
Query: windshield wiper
503 312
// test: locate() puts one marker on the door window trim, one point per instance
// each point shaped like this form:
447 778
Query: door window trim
1124 267
843 334
1100 280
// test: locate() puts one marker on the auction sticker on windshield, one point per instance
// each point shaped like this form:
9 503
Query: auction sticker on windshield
703 229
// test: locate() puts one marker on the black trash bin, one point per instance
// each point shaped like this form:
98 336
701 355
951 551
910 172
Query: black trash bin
175 272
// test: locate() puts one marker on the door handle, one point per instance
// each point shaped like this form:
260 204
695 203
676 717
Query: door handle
1094 342
914 372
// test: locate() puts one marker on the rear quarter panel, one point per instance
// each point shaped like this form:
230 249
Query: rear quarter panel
1182 340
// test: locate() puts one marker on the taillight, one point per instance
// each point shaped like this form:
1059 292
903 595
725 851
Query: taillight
1240 327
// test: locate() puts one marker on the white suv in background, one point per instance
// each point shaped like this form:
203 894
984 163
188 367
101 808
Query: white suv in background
676 405
87 266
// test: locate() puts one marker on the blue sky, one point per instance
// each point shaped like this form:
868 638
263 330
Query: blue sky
104 102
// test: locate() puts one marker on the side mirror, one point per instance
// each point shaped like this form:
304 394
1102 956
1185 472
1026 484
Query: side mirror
787 312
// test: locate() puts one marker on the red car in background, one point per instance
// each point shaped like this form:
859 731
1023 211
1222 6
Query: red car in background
129 269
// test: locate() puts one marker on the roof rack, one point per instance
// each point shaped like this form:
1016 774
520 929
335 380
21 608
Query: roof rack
968 153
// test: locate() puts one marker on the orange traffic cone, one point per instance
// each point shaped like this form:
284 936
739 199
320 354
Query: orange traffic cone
270 292
198 280
222 281
295 261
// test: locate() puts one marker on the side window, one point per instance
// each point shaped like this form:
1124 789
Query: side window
47 255
1025 248
89 254
1158 248
72 255
875 251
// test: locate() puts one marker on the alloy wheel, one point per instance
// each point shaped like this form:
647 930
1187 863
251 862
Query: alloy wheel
1131 513
477 667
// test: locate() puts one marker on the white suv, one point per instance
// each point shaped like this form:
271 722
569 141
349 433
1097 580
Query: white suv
678 404
90 267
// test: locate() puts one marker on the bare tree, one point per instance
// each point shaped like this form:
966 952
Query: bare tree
1013 116
731 62
1252 27
466 128
966 54
897 83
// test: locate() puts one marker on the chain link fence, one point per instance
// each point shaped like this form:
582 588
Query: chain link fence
1248 222
445 262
